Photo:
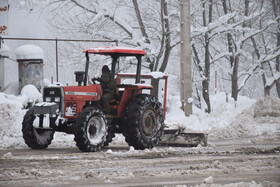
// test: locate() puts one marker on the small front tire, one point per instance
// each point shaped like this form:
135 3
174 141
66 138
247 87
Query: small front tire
35 138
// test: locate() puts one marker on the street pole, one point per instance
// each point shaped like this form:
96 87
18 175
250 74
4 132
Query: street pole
185 57
56 60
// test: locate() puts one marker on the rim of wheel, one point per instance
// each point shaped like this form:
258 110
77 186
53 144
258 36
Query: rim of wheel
149 122
96 129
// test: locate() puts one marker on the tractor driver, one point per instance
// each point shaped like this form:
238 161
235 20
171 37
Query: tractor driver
108 87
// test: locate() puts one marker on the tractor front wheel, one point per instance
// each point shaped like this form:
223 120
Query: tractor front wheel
34 137
143 120
91 130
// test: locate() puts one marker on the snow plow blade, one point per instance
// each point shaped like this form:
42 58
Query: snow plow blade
178 138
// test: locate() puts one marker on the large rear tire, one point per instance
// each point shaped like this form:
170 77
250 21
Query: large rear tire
144 121
35 138
110 136
91 130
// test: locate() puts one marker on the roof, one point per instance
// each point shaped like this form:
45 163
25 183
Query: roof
121 51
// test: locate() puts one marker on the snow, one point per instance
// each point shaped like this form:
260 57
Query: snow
28 95
209 180
4 50
190 100
157 75
115 49
143 84
223 113
239 184
45 104
8 155
29 51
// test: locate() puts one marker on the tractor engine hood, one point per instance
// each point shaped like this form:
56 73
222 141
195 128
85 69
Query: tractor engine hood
82 93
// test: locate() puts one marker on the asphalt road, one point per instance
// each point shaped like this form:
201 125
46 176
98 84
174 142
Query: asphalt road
222 162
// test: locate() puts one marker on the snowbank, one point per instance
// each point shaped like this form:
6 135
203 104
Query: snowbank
29 95
11 114
222 114
262 118
249 118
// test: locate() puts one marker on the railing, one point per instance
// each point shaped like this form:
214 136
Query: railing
56 40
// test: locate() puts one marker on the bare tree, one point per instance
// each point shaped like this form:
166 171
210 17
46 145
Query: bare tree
276 10
148 27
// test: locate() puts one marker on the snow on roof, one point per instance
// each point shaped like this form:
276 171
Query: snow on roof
29 51
111 50
4 50
156 74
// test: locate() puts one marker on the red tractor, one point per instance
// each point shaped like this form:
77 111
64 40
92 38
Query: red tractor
78 110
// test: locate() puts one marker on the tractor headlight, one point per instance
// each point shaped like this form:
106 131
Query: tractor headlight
48 99
57 99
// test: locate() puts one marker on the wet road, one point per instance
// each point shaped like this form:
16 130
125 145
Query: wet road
224 161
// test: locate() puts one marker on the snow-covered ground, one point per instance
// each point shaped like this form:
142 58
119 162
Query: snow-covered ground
247 117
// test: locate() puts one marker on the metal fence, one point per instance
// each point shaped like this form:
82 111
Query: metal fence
56 40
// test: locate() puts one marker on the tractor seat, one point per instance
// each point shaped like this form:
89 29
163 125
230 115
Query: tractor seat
114 101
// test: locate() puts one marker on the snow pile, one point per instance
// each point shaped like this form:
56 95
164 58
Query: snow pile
11 114
29 95
29 51
249 118
222 114
262 118
267 107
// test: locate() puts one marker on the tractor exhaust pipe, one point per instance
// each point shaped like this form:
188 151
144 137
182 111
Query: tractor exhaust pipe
86 70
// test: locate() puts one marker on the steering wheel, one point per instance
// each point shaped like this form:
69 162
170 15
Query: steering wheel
93 81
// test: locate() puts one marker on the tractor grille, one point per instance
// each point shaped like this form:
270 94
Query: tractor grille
53 95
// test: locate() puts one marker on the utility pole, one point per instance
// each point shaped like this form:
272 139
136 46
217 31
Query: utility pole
185 57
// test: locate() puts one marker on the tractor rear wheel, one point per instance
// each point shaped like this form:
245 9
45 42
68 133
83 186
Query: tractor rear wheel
35 138
91 130
143 120
110 136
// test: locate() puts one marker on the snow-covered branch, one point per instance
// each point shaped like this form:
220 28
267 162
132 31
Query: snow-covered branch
220 22
105 13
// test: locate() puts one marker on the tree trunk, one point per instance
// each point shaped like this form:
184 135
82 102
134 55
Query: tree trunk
143 31
155 84
200 69
234 79
276 9
278 62
205 82
166 43
234 61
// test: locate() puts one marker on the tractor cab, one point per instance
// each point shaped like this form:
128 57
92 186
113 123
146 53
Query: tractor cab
116 53
123 91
